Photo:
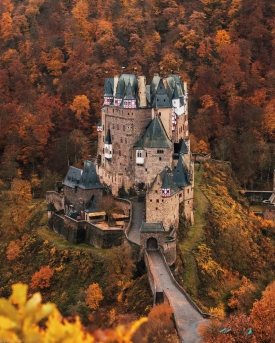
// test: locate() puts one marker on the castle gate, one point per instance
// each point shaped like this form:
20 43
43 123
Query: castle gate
152 244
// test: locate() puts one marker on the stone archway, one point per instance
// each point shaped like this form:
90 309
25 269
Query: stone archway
152 244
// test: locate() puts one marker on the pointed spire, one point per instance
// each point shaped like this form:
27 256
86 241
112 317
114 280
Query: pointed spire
183 147
108 139
129 92
181 174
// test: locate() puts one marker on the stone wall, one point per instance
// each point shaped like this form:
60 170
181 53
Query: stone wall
166 245
257 197
154 162
55 199
268 211
77 232
125 126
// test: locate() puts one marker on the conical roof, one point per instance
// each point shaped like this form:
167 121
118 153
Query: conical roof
108 139
89 178
181 175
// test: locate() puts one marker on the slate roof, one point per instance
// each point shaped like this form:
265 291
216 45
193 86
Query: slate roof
168 182
120 89
84 179
151 227
181 175
89 178
161 98
129 93
183 147
155 136
108 138
73 177
109 87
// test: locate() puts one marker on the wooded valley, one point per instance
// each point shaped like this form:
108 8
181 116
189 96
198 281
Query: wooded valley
55 56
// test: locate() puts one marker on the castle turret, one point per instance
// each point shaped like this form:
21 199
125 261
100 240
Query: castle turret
165 188
108 145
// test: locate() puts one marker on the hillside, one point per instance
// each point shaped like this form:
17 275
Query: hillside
228 254
126 291
55 56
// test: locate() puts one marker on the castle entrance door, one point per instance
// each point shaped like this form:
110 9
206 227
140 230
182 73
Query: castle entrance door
152 244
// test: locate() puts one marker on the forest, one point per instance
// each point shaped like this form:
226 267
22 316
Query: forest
55 56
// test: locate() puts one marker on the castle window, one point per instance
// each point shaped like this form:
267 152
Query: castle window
159 114
150 200
188 191
124 126
103 148
121 139
156 191
117 127
113 110
159 158
119 152
157 200
156 208
160 151
103 127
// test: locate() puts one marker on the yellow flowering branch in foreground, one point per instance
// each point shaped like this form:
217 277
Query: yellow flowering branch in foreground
20 319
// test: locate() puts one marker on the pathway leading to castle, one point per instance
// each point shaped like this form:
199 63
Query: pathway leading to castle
134 234
186 316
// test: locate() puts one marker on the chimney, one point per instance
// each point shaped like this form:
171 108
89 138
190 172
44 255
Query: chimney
142 91
115 84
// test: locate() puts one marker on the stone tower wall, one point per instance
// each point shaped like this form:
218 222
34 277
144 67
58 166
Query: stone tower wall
158 209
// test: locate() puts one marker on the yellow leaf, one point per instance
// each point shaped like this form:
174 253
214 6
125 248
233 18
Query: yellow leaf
19 294
6 323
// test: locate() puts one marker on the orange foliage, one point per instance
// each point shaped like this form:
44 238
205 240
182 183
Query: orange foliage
42 278
94 296
263 315
13 250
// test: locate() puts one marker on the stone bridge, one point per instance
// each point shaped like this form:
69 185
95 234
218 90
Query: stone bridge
165 288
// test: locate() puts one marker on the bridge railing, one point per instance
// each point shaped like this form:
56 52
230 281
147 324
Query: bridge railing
150 276
205 315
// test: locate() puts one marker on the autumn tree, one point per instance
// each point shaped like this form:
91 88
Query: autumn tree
94 296
13 250
159 327
42 278
263 315
120 268
81 106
